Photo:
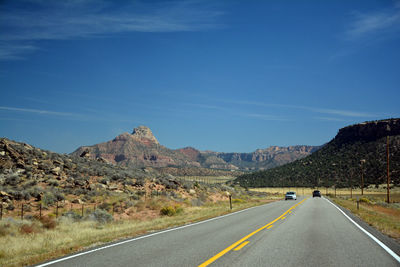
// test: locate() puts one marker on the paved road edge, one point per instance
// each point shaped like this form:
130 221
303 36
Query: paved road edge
381 244
123 241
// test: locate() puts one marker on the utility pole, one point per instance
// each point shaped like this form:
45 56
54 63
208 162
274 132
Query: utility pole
362 176
388 176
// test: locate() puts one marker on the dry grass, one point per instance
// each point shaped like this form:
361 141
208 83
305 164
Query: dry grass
377 193
208 179
31 247
384 217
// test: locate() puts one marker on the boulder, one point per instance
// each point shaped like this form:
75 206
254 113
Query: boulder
56 171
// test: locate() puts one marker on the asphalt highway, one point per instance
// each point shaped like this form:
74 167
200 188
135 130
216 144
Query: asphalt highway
305 232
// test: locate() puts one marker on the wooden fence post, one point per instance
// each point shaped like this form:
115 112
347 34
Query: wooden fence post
57 210
40 210
22 211
82 209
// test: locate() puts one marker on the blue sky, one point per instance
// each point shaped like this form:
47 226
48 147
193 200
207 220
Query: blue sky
218 75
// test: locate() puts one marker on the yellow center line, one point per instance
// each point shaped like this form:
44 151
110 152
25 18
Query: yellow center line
269 227
223 252
241 245
283 218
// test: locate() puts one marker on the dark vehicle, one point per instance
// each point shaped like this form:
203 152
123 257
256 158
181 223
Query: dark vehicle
290 195
316 193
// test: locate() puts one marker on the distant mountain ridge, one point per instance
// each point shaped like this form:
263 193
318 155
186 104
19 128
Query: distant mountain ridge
142 149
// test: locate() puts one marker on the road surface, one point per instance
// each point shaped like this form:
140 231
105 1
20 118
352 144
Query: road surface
305 232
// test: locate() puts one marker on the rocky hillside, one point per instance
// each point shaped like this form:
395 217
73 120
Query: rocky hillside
141 149
356 149
36 182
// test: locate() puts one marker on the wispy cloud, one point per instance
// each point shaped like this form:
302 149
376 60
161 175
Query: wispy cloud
237 112
38 111
340 112
330 119
66 115
265 117
374 23
23 27
344 113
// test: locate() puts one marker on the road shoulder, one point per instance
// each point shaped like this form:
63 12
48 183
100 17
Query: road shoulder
392 243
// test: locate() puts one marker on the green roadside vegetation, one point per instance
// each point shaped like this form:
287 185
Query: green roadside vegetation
32 241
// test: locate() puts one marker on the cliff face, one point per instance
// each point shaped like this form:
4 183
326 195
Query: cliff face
139 149
368 131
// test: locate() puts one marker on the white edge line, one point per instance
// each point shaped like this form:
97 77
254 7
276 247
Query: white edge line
145 236
388 250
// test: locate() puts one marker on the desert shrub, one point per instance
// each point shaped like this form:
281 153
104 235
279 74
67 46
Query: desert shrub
187 186
17 194
237 200
153 204
101 216
29 228
171 210
154 193
3 230
27 207
196 202
128 182
139 182
116 177
365 200
28 184
105 180
35 191
12 179
29 217
129 204
168 211
178 209
10 206
105 206
72 215
26 195
59 196
53 182
134 196
48 222
48 198
80 191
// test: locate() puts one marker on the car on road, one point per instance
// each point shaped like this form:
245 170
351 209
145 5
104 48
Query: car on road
290 195
316 193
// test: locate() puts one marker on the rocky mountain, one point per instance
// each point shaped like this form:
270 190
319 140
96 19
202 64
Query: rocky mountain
141 149
138 149
356 149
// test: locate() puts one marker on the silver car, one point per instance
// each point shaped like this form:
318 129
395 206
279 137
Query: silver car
290 195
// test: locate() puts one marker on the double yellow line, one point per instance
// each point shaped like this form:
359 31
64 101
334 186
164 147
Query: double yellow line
223 252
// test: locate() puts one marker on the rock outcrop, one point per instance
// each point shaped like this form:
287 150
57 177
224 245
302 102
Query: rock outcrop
139 149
